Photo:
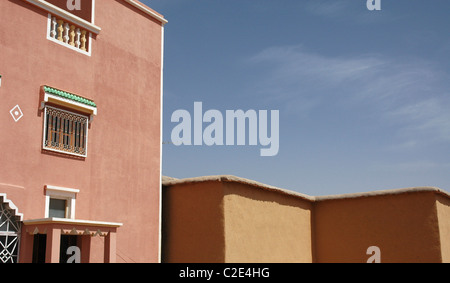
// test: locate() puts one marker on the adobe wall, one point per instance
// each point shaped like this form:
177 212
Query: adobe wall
265 226
193 223
234 220
443 213
404 227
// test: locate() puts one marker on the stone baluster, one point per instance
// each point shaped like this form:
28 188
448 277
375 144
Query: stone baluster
69 34
83 40
72 35
60 30
53 28
78 41
66 33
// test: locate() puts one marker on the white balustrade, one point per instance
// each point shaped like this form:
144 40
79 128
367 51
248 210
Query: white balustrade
68 34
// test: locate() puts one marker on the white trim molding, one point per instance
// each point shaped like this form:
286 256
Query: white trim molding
67 194
65 15
70 226
146 10
93 12
53 220
12 206
161 144
62 190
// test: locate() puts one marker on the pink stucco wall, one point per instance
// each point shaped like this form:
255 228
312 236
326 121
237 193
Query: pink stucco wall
119 181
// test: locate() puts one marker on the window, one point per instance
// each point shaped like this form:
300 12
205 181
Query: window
57 208
60 202
65 131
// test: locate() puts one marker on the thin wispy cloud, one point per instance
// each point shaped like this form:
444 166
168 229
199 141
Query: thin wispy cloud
410 96
412 167
294 70
363 95
428 118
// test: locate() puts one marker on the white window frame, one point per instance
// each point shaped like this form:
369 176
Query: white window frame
62 151
67 194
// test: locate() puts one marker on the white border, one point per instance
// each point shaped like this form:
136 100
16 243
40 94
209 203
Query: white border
16 119
93 12
61 193
161 142
54 220
147 11
61 151
12 206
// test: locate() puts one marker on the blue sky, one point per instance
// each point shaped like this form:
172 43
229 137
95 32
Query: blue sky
363 96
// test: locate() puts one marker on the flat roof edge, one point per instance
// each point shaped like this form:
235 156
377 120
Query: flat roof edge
147 10
383 193
230 178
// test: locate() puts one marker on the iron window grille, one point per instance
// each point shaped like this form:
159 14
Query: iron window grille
65 131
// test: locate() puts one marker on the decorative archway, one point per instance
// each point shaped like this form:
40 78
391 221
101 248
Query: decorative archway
10 225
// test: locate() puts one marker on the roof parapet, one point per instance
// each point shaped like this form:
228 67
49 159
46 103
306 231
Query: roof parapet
147 11
229 178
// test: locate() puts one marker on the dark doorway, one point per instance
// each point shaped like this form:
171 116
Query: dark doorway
39 247
66 242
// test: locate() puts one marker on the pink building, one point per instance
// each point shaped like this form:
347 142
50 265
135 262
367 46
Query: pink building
80 123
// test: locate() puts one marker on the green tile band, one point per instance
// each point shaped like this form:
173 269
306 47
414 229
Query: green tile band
69 95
